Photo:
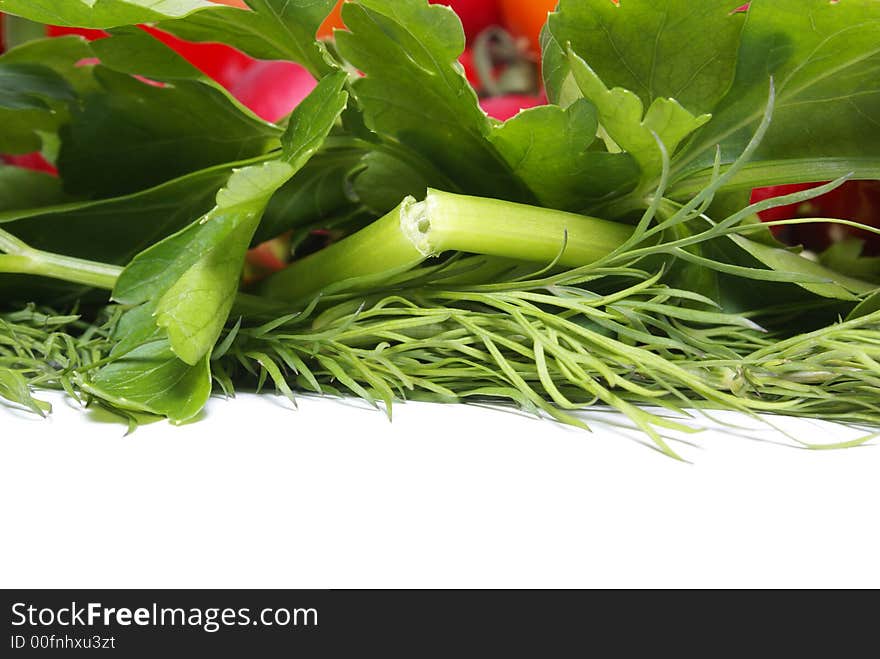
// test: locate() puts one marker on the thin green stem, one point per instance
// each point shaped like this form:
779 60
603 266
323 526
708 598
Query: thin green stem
76 271
21 258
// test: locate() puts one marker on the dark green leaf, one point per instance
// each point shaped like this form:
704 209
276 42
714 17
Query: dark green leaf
30 86
869 306
23 130
22 189
384 180
136 52
275 29
846 258
101 13
414 91
657 49
14 388
64 55
110 231
131 135
151 379
548 149
320 191
824 57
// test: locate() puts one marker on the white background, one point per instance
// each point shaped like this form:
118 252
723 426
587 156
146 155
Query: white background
333 495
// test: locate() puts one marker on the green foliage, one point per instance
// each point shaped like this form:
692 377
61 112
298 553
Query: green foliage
37 103
152 379
22 189
182 289
189 280
548 148
415 93
824 58
665 113
275 29
656 49
640 134
101 13
109 230
30 86
130 135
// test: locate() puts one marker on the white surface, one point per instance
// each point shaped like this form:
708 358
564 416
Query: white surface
332 495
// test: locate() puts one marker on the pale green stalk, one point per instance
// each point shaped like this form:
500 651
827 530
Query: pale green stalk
416 231
21 258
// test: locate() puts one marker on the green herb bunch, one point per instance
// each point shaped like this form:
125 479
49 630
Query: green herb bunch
599 250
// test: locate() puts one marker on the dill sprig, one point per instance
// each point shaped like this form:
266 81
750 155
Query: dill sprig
42 349
558 345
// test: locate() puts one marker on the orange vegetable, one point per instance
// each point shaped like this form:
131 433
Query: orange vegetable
526 18
334 20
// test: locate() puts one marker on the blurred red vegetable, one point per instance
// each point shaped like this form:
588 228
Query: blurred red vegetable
220 62
33 161
475 15
273 89
858 201
505 107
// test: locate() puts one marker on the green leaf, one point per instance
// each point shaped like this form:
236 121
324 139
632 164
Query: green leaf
22 128
22 189
130 135
835 285
30 86
623 117
109 230
383 180
189 280
194 309
185 287
846 258
64 55
824 57
657 49
318 192
14 388
16 31
548 149
414 91
136 52
151 379
313 119
101 13
870 306
275 29
59 78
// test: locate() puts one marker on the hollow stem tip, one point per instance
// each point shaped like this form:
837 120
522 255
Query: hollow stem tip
419 230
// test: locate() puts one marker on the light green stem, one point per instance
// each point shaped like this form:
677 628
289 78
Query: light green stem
416 231
20 258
